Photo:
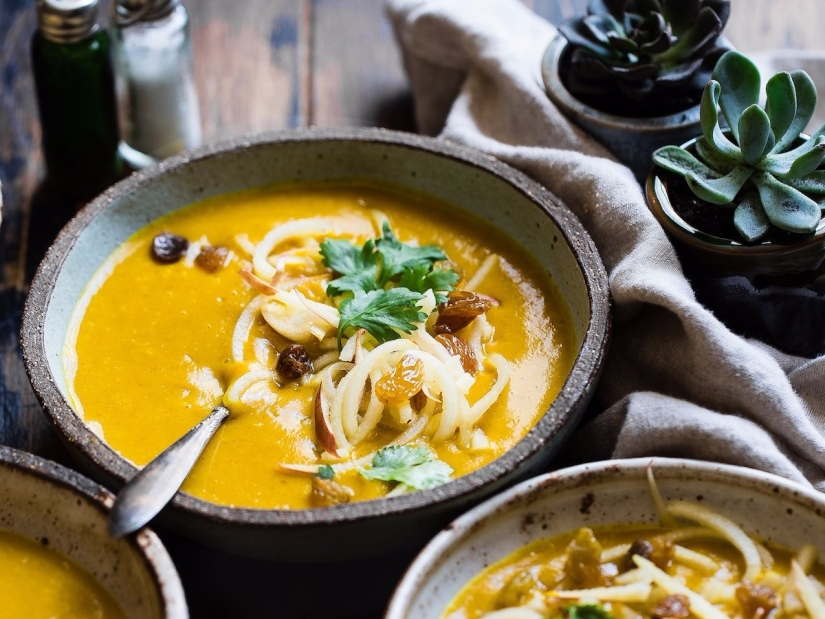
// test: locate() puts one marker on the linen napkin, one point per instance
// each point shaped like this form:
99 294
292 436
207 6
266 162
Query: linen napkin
676 382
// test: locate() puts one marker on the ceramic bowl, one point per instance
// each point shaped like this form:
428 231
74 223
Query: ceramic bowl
632 140
468 179
603 493
57 507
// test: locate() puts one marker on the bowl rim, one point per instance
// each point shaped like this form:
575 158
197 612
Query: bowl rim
144 542
582 476
573 394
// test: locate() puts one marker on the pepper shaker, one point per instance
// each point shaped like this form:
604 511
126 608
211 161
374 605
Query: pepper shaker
76 97
153 61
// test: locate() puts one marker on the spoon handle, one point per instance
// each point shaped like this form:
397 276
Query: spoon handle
154 486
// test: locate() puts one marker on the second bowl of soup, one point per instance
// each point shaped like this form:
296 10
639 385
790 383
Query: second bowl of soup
398 327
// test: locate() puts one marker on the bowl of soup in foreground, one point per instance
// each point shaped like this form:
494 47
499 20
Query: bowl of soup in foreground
627 538
400 327
57 559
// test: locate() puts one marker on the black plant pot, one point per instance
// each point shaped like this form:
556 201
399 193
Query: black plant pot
632 140
773 291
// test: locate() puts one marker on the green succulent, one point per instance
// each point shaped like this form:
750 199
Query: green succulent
767 171
649 50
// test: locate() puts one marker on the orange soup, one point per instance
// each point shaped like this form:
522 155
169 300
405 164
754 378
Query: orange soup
366 342
39 583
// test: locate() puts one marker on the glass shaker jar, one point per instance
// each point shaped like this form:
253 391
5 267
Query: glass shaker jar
153 62
76 97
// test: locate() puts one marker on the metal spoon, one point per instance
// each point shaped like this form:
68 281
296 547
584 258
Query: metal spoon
154 486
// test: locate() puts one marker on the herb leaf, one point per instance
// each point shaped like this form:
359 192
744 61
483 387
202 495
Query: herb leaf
381 312
421 279
415 467
397 256
586 611
358 267
325 471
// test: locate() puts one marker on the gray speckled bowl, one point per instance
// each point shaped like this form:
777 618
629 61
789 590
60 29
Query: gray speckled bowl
469 179
603 493
48 503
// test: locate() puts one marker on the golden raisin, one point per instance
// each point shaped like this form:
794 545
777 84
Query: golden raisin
402 382
757 601
583 561
211 259
676 606
459 311
326 493
458 347
658 550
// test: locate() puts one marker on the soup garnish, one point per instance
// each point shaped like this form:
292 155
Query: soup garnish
698 563
380 345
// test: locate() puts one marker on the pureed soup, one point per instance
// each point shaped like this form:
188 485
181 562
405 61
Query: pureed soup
695 563
365 341
38 582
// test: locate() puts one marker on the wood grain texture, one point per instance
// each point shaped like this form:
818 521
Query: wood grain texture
259 65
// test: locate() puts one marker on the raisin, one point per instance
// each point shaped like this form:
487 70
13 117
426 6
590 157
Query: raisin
402 382
657 550
168 247
459 311
418 401
326 493
293 362
673 606
757 601
458 347
212 258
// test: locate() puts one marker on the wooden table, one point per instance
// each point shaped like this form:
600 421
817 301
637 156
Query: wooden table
260 65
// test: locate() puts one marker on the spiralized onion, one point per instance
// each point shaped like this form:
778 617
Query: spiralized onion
727 528
807 591
314 226
699 606
483 271
633 592
233 395
502 367
240 334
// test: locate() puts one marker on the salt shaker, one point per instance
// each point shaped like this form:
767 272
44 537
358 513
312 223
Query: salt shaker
75 87
153 62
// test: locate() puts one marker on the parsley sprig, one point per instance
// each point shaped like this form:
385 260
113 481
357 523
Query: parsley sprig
415 467
382 283
585 611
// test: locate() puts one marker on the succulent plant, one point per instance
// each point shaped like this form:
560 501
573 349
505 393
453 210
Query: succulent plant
767 171
651 51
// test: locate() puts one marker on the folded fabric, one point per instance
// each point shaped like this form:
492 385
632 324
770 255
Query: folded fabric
676 382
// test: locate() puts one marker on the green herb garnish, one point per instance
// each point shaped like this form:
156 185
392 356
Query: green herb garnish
380 312
415 467
382 282
585 611
325 471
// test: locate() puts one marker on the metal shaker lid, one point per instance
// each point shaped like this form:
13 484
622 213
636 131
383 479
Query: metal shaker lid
67 21
126 12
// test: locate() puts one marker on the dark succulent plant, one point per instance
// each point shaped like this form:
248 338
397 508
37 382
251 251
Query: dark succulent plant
655 52
767 171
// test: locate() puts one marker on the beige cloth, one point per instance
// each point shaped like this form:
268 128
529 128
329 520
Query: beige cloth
676 381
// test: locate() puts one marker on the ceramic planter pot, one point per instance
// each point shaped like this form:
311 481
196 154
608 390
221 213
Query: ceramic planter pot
474 182
732 256
770 291
601 494
631 140
50 504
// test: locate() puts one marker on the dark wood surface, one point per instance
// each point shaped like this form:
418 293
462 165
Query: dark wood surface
260 65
